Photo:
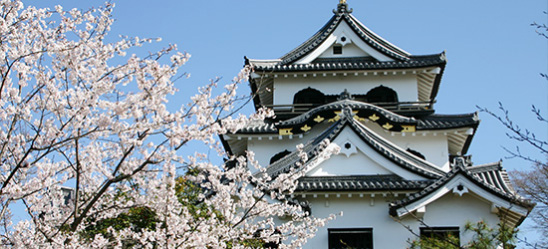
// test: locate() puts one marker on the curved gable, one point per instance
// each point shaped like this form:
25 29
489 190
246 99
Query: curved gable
326 36
462 181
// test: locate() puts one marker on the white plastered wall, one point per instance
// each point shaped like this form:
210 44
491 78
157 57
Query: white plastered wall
356 164
432 144
363 212
433 147
267 147
286 88
357 47
359 159
350 50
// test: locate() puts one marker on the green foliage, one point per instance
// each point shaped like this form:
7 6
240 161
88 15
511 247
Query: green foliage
484 237
143 218
189 194
137 218
448 242
248 243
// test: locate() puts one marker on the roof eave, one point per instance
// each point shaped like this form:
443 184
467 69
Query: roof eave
437 81
225 144
402 209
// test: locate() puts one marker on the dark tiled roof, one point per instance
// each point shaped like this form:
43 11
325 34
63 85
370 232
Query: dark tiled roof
361 182
430 122
354 64
387 149
437 121
494 175
474 174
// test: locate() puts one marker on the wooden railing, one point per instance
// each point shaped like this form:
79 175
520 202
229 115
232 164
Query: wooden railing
392 106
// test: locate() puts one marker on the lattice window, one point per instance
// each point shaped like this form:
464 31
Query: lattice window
337 49
359 238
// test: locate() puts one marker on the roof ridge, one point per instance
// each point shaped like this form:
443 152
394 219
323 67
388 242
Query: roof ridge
429 169
368 36
474 168
402 54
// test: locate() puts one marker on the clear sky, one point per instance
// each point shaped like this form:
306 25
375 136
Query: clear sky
493 52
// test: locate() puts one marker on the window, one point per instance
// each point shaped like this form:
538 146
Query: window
442 233
342 238
337 49
381 94
309 96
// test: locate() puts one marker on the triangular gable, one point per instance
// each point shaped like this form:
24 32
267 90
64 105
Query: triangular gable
391 153
459 182
357 158
352 45
343 23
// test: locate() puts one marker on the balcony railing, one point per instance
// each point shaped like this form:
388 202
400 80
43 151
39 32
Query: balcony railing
295 109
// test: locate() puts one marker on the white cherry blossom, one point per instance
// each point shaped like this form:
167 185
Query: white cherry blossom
78 112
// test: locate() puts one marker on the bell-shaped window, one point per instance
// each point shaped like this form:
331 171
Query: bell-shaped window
381 94
309 96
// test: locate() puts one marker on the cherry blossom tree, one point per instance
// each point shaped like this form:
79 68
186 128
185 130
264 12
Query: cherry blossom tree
81 113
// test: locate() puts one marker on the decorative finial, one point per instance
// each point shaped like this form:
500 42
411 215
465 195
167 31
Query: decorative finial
345 95
462 161
342 7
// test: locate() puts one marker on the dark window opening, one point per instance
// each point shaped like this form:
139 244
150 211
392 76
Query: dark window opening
309 96
337 49
264 244
351 238
450 234
279 156
416 153
381 94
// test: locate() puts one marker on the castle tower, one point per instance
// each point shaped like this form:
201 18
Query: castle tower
401 166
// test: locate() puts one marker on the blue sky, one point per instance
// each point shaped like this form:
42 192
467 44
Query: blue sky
493 52
494 55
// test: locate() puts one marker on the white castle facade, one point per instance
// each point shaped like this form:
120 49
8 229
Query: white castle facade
401 170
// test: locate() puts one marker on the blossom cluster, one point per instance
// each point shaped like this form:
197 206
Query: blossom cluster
86 135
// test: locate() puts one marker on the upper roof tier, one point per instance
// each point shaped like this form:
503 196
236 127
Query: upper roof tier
384 50
345 45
